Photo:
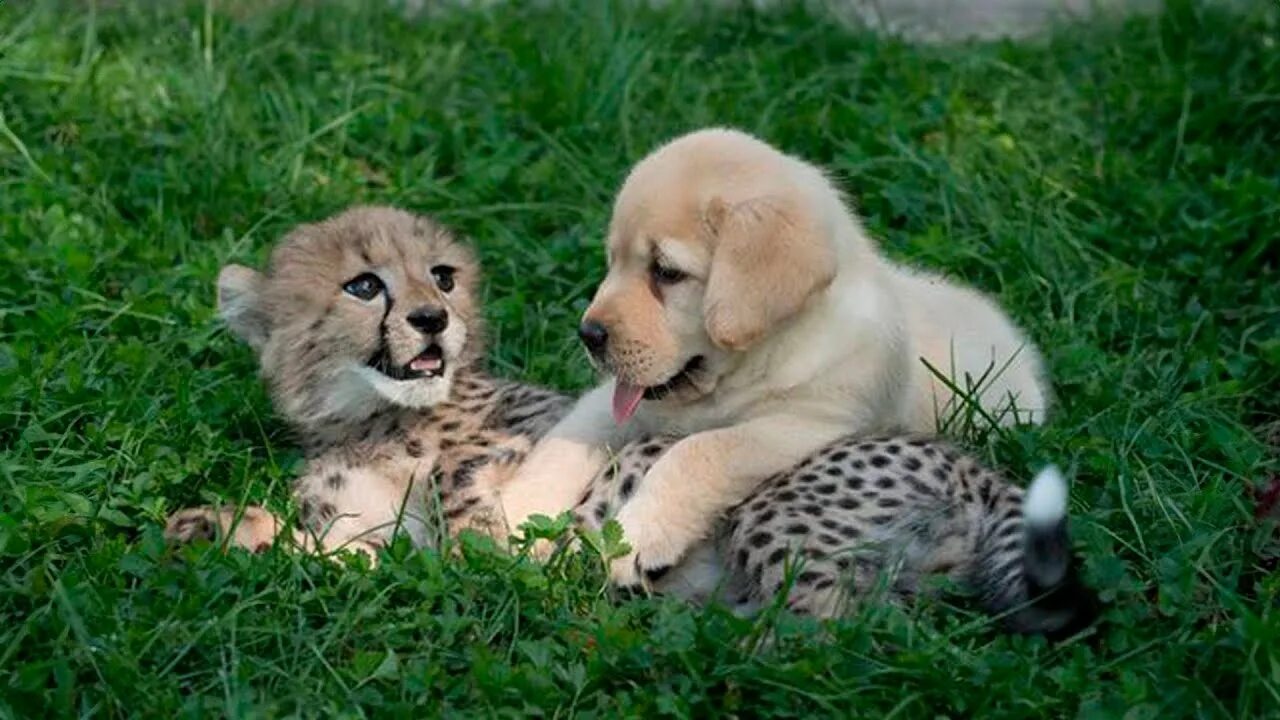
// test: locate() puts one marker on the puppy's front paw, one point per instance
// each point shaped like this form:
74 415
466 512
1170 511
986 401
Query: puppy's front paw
656 547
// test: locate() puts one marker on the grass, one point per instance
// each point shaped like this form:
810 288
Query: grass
1116 187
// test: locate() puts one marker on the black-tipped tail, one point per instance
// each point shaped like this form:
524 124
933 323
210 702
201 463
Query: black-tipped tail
1038 590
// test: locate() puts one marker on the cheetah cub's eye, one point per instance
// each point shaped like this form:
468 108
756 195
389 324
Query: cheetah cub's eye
365 286
443 275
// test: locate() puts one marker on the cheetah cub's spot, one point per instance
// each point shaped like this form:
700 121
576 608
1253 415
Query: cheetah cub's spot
368 333
885 513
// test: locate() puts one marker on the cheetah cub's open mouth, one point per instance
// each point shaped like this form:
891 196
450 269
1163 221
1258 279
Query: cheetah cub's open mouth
429 363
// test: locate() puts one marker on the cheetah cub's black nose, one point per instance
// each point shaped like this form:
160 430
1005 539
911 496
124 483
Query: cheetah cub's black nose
429 320
594 336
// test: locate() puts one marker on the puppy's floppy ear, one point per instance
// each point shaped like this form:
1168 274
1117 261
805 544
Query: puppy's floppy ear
240 304
769 259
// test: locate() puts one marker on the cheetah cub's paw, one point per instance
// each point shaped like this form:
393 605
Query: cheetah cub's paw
255 529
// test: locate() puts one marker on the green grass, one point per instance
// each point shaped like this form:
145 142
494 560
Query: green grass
1118 188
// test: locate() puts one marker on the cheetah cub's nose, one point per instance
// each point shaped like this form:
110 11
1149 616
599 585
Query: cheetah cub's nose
429 320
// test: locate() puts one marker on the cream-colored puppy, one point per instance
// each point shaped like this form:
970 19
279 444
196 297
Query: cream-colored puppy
746 309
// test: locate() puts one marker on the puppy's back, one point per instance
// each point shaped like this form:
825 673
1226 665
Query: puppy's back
966 336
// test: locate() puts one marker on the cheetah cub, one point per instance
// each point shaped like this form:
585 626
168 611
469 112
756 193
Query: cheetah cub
862 514
369 335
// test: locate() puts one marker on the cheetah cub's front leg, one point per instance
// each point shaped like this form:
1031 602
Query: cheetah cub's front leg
340 508
254 528
359 508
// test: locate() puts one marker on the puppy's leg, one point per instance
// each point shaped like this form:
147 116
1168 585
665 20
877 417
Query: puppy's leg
561 466
701 477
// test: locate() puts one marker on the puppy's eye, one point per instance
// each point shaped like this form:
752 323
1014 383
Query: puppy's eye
665 275
443 275
365 286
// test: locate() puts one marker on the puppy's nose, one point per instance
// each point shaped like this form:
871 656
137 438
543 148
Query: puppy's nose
594 336
429 320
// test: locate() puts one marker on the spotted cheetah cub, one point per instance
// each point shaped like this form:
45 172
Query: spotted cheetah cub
369 336
885 513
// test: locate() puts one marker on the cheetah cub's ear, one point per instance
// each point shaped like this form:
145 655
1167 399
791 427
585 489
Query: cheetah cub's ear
240 304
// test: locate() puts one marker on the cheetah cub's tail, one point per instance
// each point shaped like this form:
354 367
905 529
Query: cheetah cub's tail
1042 594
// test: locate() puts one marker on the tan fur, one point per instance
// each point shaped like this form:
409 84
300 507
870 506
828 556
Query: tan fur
767 261
802 332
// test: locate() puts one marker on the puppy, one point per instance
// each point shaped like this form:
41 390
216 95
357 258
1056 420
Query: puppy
746 309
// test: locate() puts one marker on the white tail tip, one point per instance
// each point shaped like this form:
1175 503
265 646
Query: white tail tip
1045 502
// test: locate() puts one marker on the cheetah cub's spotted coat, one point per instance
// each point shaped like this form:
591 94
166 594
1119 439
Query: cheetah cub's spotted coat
862 514
368 334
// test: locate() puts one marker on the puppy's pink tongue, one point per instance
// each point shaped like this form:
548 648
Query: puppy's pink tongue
626 398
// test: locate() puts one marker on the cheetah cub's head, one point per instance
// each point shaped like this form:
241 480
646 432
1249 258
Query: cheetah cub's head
369 308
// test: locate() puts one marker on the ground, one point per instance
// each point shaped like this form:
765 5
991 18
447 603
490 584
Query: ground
1116 187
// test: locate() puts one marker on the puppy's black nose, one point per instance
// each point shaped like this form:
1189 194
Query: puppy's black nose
594 336
429 320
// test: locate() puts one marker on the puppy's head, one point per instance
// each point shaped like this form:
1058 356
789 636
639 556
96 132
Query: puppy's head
716 240
371 307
